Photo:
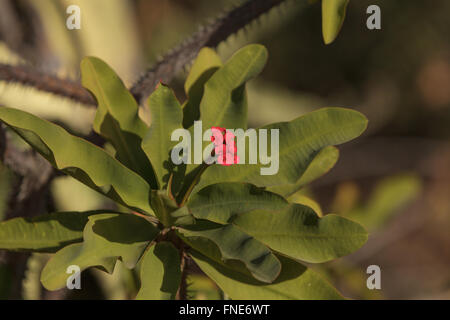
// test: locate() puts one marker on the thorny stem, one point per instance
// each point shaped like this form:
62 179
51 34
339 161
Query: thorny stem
210 35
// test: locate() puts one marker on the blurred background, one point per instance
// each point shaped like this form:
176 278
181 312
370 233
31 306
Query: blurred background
395 179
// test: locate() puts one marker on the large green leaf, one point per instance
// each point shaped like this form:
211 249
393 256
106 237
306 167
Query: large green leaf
117 118
320 165
206 63
299 143
45 233
226 242
333 15
298 232
106 238
221 202
160 273
295 282
224 102
167 116
82 160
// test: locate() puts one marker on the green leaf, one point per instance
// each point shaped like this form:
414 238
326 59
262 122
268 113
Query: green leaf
167 116
300 141
107 237
221 202
82 160
160 273
333 15
205 65
232 244
224 102
295 282
45 233
323 162
298 232
117 118
6 280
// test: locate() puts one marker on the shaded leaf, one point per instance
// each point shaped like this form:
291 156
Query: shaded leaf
295 282
106 238
160 273
224 103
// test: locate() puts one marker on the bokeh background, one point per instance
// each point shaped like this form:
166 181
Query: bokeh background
395 179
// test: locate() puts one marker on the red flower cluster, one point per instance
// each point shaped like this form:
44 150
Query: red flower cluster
225 146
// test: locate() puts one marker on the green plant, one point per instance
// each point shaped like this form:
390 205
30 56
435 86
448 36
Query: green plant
234 223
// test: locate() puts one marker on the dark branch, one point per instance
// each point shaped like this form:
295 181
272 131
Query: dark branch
210 36
31 77
22 31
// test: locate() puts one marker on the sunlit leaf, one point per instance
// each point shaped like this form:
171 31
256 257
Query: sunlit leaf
226 242
82 160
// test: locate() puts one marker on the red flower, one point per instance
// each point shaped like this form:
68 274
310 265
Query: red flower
225 146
